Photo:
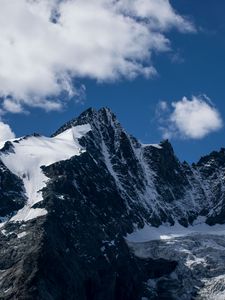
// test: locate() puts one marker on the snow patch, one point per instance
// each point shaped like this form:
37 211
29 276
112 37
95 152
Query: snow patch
167 232
152 145
21 235
28 213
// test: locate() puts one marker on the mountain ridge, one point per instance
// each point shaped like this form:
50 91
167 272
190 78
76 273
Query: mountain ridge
94 185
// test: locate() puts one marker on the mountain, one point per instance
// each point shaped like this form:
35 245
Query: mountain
74 209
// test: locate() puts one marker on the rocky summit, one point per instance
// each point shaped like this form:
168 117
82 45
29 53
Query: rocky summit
90 213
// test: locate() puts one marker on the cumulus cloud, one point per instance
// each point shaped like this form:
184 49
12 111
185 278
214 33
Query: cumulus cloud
186 118
47 44
6 132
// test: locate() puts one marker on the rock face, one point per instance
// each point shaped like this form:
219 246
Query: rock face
110 187
12 196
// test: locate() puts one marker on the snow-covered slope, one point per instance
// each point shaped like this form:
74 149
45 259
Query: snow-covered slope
27 155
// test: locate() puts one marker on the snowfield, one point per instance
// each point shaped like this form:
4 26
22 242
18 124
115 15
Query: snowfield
166 231
32 152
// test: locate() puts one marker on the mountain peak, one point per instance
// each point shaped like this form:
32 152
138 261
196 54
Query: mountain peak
166 145
90 116
86 198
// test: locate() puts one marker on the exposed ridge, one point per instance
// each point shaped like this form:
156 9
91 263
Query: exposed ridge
88 116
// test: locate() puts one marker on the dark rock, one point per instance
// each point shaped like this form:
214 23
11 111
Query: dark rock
78 250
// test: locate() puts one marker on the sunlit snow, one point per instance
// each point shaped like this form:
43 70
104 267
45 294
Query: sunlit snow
32 152
152 145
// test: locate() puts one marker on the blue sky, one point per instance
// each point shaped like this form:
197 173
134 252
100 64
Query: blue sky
194 66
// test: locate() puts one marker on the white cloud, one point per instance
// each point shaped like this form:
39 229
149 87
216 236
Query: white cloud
12 106
160 13
6 132
46 44
192 119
